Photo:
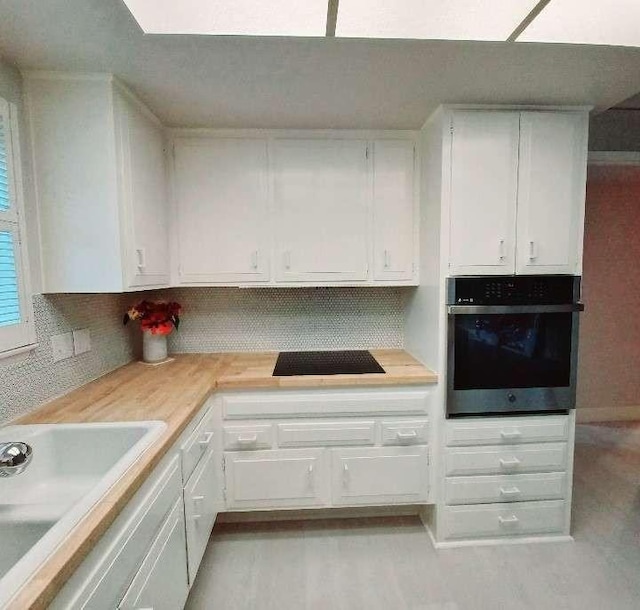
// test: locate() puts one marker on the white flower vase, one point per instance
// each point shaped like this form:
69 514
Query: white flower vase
154 347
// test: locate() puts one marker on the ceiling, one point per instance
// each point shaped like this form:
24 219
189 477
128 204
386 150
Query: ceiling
306 82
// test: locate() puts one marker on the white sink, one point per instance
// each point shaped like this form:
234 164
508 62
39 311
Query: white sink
73 466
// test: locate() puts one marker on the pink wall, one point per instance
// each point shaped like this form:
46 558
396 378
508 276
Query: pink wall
609 357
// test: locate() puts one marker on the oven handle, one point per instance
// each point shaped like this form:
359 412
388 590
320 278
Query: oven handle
507 309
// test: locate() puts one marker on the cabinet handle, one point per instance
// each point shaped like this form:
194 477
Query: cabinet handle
501 252
254 259
511 491
248 440
310 469
287 259
206 440
345 474
406 436
387 259
142 263
512 463
533 251
510 434
196 499
512 520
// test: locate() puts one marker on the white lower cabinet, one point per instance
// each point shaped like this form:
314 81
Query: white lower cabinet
200 511
161 582
379 476
275 479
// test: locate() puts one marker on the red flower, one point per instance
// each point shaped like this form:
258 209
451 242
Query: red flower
159 318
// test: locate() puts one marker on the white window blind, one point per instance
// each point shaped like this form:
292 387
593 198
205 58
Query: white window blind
16 325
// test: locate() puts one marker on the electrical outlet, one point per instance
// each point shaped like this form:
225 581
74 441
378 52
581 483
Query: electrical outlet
81 341
62 346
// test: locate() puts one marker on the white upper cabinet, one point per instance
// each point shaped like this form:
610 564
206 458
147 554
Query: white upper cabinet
394 210
321 210
221 195
517 191
484 181
99 169
551 190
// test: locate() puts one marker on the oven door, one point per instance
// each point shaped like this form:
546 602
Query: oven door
511 359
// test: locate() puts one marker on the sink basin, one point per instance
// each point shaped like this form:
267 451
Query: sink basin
73 466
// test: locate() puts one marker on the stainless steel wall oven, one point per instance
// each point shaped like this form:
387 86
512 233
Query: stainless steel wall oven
512 344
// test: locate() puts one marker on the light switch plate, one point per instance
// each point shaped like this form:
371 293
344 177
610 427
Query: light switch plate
62 346
81 341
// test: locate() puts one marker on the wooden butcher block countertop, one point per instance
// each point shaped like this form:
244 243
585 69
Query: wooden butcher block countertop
173 392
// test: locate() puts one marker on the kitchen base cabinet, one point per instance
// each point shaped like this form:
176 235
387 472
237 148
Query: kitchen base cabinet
161 582
275 479
393 475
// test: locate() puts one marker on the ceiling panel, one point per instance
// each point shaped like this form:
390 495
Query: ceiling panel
431 19
231 17
602 22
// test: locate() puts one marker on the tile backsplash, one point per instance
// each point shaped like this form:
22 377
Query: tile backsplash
31 381
214 320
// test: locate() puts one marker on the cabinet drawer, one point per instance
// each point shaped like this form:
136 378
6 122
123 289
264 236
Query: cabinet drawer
380 476
200 502
258 436
405 432
326 433
508 430
196 445
508 488
275 479
161 581
506 460
497 520
326 403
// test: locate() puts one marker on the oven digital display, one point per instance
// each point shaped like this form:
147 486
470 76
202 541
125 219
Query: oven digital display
499 351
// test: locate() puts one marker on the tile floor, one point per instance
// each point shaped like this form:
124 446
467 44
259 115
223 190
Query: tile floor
389 563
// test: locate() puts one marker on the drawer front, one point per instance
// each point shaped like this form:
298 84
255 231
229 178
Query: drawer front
326 433
200 501
275 479
414 432
548 457
507 430
508 488
239 438
194 448
323 404
380 476
161 581
111 576
500 520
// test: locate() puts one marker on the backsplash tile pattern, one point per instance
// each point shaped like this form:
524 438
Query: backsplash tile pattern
27 383
275 319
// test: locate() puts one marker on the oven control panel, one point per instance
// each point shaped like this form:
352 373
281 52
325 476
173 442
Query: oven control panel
514 290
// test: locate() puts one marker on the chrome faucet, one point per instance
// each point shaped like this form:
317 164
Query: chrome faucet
14 458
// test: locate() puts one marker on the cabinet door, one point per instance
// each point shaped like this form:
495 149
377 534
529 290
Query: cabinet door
484 172
221 194
380 476
200 508
393 210
551 191
275 479
321 195
161 582
144 196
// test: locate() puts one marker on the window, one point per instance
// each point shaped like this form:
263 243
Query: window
16 316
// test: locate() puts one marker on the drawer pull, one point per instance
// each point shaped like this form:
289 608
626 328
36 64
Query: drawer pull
512 463
511 491
248 440
206 440
510 434
512 520
406 436
195 500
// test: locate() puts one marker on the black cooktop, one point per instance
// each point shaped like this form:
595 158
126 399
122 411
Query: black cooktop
346 362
